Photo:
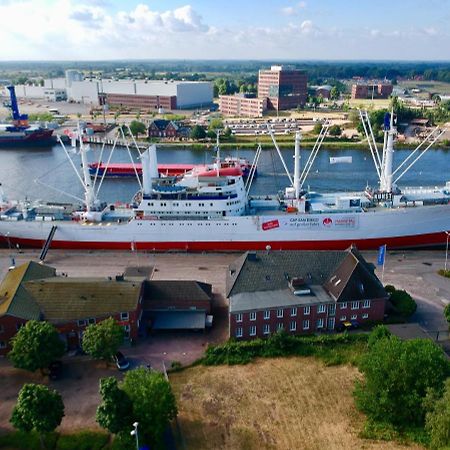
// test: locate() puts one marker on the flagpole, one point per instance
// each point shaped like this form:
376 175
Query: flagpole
384 261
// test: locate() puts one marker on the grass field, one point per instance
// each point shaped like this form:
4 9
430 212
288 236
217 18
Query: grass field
278 403
369 103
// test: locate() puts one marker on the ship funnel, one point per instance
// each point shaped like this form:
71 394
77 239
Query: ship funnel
153 161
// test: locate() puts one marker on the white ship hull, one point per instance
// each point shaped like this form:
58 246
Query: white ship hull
407 227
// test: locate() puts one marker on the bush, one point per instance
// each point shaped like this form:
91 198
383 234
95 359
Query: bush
401 301
444 273
84 440
447 313
332 349
20 440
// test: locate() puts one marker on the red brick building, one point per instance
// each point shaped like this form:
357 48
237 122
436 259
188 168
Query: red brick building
301 292
164 128
147 102
372 90
284 89
33 292
240 106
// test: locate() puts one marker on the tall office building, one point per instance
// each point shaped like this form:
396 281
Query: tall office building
284 88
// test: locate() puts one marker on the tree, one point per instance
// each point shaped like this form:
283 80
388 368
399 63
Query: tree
102 340
335 130
115 413
137 128
335 93
35 346
317 128
153 402
402 302
397 375
437 420
38 408
215 124
198 132
447 313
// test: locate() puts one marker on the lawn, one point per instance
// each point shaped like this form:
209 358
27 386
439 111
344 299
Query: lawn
275 403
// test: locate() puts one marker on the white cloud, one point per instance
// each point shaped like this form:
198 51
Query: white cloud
289 11
86 29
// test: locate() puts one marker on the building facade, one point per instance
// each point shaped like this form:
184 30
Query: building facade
283 88
240 106
301 292
371 90
147 102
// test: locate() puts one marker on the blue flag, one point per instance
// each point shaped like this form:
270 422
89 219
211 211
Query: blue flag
381 255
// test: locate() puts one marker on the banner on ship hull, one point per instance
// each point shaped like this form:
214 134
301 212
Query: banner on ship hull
350 222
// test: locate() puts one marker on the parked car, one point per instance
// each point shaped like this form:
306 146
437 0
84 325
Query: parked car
347 325
55 370
121 361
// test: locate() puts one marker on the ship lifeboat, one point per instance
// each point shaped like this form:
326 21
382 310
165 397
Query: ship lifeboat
291 209
223 172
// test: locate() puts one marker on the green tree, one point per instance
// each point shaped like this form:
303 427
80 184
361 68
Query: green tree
397 375
38 408
437 419
35 346
317 128
402 302
153 402
137 128
335 130
447 312
115 413
215 124
198 132
102 340
335 93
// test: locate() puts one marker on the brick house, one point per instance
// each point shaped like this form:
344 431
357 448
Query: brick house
176 304
163 128
33 292
301 292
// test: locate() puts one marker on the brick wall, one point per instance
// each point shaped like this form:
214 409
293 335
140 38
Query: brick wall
8 328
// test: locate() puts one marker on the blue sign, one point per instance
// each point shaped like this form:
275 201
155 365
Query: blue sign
381 255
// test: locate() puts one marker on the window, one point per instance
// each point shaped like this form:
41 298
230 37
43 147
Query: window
355 305
319 323
124 316
306 324
293 312
91 320
81 322
253 315
253 330
293 326
239 332
332 309
266 328
365 316
366 304
354 316
280 326
266 314
343 318
321 309
238 317
344 305
279 313
1 329
306 310
2 344
126 329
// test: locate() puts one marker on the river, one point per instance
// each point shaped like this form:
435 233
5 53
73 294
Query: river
20 168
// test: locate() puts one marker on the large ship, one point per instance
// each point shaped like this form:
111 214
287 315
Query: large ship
19 133
213 210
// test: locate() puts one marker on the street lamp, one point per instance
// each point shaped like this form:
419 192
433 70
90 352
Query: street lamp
446 251
135 433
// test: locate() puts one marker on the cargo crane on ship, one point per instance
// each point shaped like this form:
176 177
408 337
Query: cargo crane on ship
20 133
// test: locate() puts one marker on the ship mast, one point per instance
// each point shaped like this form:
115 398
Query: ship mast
89 193
298 137
388 152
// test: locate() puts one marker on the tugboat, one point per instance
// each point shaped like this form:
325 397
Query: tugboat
19 133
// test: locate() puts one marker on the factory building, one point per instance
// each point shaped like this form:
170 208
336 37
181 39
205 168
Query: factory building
372 90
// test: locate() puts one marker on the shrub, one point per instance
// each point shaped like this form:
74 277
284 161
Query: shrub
401 301
21 440
447 313
84 440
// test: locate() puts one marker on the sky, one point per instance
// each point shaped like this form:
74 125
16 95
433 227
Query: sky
225 29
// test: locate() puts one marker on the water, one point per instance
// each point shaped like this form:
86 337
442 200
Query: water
20 168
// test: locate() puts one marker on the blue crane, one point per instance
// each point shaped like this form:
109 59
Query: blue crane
13 105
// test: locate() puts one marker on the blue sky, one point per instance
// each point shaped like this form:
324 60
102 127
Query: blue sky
251 29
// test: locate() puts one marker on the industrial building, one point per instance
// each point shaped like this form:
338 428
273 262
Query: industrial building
134 94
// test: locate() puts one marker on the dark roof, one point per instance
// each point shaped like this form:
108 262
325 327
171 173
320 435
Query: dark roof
175 290
138 272
66 299
162 124
14 299
270 271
